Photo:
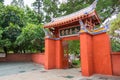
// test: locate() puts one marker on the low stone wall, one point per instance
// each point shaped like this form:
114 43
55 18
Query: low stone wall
115 57
16 58
38 58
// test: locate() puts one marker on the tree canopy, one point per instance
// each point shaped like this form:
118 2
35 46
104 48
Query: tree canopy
1 1
21 25
31 38
14 22
115 27
53 8
114 31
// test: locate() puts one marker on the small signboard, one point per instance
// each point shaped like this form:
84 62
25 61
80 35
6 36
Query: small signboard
69 31
2 55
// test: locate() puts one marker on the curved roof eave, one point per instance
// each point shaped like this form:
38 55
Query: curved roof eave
74 16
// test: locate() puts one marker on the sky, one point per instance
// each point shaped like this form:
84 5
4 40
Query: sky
27 2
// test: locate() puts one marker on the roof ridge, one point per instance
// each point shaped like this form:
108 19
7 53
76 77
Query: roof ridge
83 11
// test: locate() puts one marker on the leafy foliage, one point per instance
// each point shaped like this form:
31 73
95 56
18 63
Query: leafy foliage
13 21
14 3
12 14
115 45
47 8
21 3
114 31
74 47
104 8
37 5
51 8
31 38
18 3
32 17
115 27
1 1
21 29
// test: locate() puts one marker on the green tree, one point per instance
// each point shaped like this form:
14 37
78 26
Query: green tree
47 8
74 47
32 17
38 5
1 31
12 14
114 32
104 8
14 24
51 8
73 6
21 3
12 20
115 45
31 38
10 34
14 3
1 1
115 27
2 10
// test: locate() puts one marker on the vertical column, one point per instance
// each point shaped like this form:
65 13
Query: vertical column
86 54
86 51
101 51
50 53
59 54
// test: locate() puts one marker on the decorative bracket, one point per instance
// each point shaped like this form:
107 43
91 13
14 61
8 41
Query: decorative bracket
83 27
47 33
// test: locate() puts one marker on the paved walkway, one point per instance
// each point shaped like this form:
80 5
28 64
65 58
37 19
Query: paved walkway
32 71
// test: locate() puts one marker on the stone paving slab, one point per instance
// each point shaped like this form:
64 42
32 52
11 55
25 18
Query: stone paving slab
37 72
8 68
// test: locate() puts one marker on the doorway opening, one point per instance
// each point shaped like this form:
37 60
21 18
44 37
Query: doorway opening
71 50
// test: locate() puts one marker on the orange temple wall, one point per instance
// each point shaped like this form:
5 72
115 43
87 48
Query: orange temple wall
95 54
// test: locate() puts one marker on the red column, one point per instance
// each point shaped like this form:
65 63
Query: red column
59 54
86 54
50 54
101 51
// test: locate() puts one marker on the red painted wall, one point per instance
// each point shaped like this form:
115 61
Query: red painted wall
38 58
101 54
116 63
95 54
50 55
86 54
59 54
16 58
65 62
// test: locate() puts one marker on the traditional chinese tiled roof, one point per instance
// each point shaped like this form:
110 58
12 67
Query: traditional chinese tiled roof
76 16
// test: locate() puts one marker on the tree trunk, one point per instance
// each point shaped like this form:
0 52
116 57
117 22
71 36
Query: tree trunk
5 50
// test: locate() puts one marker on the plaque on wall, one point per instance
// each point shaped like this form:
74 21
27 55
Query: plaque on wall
69 31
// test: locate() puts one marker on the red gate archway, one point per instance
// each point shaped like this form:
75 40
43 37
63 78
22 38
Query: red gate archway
94 43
